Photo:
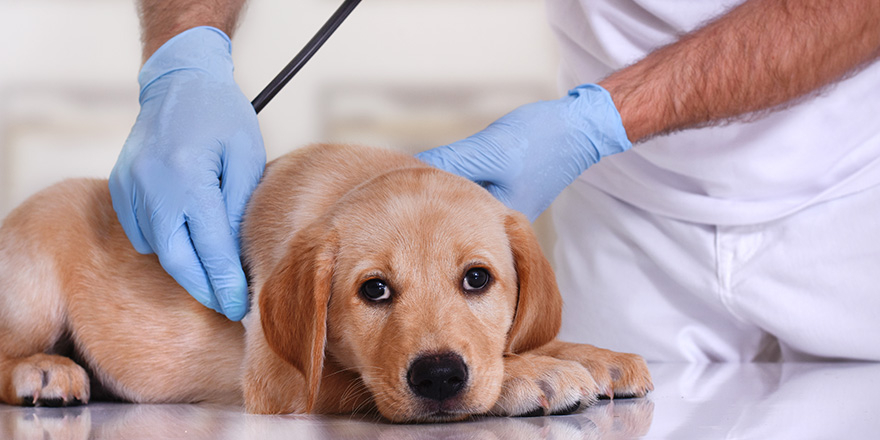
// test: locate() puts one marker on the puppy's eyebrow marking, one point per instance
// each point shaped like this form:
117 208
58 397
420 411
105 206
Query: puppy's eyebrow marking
471 263
372 274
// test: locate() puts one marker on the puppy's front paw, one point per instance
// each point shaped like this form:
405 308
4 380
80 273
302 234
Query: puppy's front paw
536 385
619 375
49 380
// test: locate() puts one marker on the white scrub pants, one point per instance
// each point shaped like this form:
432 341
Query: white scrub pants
800 288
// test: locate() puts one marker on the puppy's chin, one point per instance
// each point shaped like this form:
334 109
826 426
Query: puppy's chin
440 417
406 408
430 412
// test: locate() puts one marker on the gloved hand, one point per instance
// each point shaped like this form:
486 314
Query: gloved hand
188 167
526 158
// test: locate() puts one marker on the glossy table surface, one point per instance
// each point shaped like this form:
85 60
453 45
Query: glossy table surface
711 401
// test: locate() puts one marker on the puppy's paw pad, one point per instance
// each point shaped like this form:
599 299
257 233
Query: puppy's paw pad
568 410
537 412
48 380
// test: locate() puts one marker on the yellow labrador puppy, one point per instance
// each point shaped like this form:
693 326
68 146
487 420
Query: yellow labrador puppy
377 283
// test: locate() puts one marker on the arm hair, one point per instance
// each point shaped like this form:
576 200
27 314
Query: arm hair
760 55
163 19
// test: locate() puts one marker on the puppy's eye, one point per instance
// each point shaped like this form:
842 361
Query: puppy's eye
375 290
476 279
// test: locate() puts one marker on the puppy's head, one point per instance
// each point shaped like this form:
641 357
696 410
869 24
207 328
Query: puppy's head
419 281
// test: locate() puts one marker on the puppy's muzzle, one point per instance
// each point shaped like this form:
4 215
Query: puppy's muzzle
438 377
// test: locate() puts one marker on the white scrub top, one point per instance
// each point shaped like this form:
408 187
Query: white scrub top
825 146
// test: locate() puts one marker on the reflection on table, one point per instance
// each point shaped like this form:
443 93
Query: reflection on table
690 401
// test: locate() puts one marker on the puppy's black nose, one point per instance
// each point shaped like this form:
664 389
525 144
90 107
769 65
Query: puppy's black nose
437 376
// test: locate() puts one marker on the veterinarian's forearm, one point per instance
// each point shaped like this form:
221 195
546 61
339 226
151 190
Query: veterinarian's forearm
163 19
760 55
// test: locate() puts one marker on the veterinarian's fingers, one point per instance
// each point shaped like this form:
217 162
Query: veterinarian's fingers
470 158
216 245
179 259
478 159
246 159
124 202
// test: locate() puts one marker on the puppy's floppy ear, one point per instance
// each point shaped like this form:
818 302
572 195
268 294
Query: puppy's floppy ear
539 305
294 301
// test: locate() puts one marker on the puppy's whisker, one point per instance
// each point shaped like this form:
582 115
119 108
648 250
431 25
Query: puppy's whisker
355 390
354 369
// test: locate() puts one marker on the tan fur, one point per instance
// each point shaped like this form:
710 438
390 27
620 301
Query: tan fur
323 221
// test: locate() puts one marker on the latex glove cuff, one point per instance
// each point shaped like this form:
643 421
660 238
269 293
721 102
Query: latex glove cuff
204 48
597 118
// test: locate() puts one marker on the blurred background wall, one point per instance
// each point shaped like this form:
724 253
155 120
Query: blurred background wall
404 74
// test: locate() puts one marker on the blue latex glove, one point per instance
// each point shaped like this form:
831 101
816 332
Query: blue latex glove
526 158
188 167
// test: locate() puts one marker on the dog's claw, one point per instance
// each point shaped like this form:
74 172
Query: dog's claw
52 402
544 403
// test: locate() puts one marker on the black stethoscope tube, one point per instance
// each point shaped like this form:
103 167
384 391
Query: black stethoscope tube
304 55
